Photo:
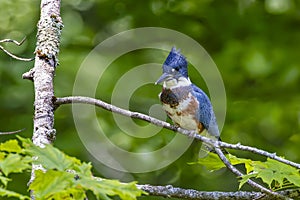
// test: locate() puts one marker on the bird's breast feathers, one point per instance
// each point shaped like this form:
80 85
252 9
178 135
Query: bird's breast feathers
182 107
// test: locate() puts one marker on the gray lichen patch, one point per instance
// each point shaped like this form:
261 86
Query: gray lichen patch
48 38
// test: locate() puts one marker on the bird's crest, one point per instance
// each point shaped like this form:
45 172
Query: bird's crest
177 61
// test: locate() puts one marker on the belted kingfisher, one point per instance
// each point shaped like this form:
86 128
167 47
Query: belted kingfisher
186 104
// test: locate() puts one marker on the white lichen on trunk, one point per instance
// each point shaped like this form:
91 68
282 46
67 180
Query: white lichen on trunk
47 48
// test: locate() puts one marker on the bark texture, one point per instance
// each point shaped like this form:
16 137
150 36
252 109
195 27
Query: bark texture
47 48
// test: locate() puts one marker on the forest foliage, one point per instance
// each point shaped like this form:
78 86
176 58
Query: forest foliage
255 45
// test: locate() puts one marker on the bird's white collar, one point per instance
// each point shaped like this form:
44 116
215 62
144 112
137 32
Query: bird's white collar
174 83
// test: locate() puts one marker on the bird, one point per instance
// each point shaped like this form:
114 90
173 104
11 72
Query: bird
186 104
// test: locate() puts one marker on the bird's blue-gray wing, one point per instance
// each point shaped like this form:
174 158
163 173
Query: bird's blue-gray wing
206 114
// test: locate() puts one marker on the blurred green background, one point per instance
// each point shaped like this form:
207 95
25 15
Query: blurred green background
254 43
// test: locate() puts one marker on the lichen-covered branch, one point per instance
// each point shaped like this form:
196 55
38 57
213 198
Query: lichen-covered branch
46 53
169 191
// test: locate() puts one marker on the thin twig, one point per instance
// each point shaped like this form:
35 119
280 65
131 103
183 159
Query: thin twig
11 54
109 107
12 132
259 152
13 41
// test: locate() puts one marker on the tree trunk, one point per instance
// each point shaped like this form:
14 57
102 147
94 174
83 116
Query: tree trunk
42 74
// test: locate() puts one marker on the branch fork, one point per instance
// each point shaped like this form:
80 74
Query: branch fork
217 145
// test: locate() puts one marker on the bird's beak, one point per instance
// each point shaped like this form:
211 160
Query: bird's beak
163 77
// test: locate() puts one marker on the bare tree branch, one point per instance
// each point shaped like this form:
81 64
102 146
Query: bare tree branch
14 41
11 54
109 107
259 152
175 192
11 132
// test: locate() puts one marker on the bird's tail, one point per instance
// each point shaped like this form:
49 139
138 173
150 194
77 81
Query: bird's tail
207 148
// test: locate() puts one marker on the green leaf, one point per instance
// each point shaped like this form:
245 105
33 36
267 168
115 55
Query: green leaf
8 193
272 171
84 169
2 155
294 179
124 190
236 161
103 187
245 178
70 193
280 172
26 142
212 162
4 180
62 184
11 146
51 182
14 163
267 176
50 157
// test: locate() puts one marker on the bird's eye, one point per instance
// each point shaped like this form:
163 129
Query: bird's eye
176 68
